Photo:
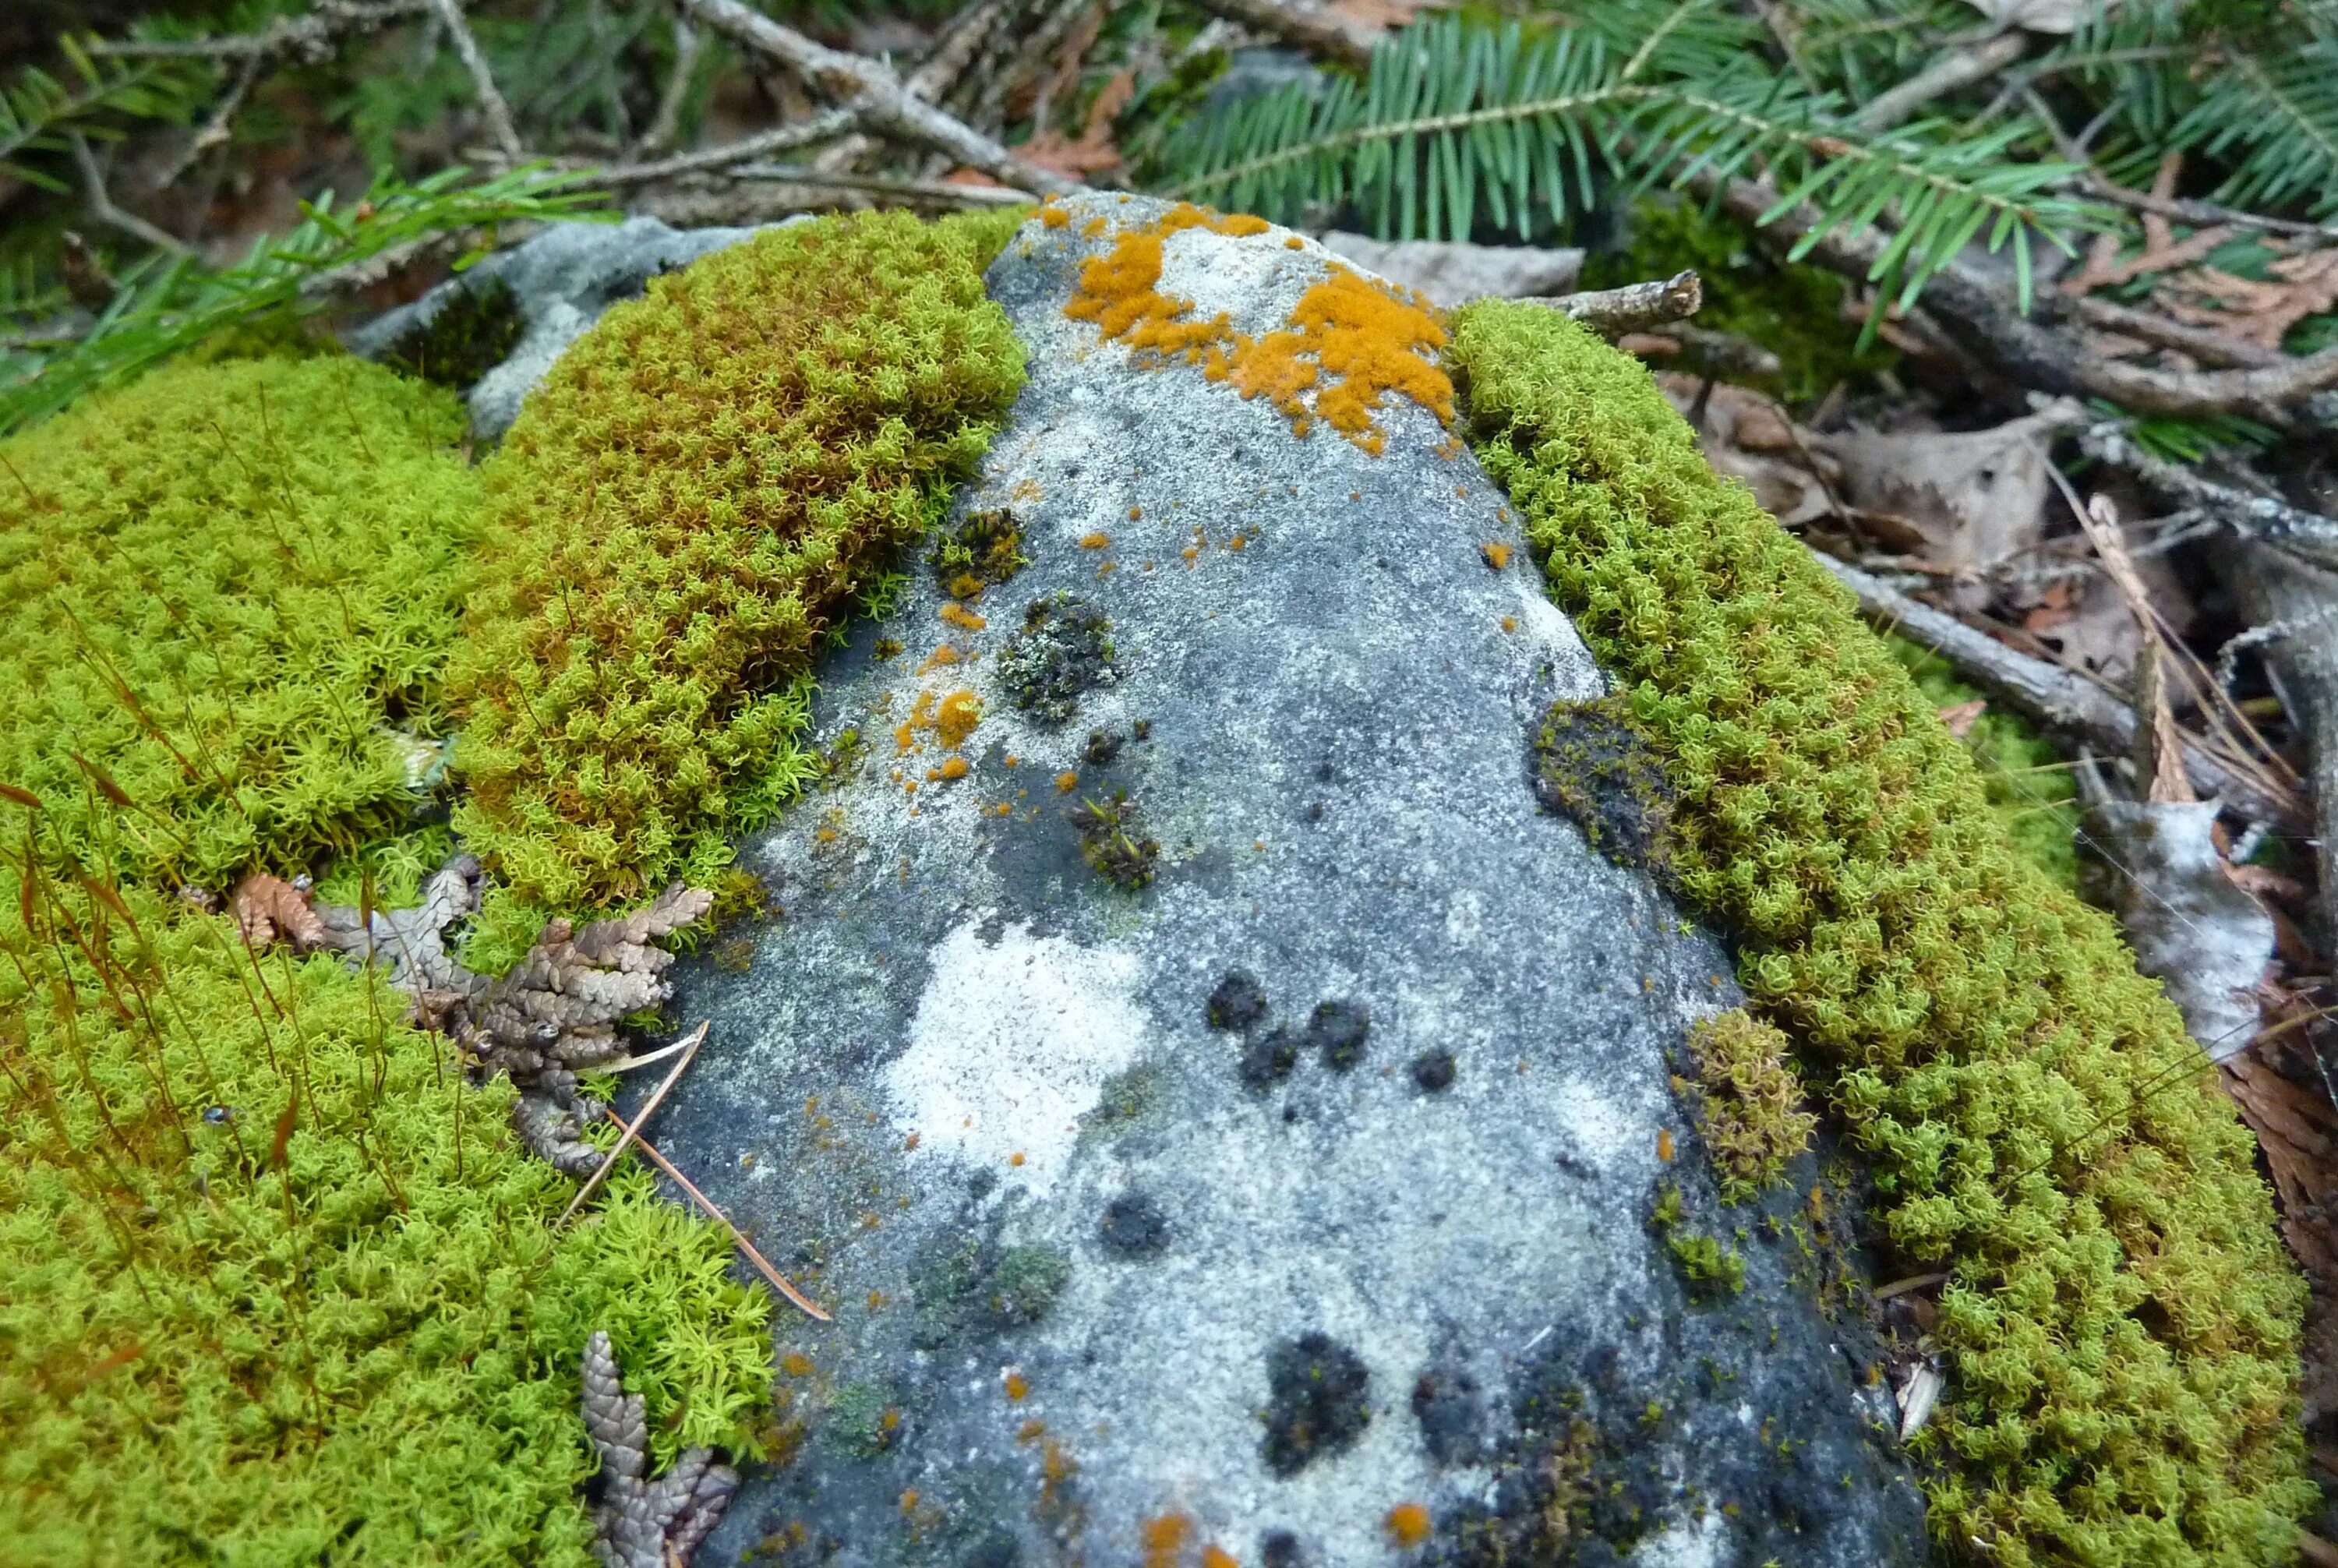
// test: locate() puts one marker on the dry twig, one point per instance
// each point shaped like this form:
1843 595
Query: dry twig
1634 308
657 1096
492 107
1313 28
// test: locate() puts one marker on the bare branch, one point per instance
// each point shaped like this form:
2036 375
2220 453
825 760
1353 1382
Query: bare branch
492 107
941 190
2309 535
1634 308
780 139
2201 343
103 210
311 38
667 121
2057 698
887 109
1949 70
1303 25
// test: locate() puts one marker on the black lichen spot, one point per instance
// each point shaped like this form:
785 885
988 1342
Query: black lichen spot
1338 1030
1104 745
1267 1060
1433 1070
469 335
1279 1549
1065 648
1112 841
1319 1401
1135 1226
980 552
1450 1410
1238 1003
1591 764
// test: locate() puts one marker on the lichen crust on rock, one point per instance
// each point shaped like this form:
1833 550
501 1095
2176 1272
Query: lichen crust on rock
1098 1287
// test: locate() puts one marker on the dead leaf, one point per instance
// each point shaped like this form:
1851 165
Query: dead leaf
2298 1131
1977 497
1959 716
267 909
1749 438
2054 608
1094 151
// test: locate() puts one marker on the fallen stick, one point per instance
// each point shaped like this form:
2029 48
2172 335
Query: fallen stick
778 1281
2056 698
601 1172
1634 308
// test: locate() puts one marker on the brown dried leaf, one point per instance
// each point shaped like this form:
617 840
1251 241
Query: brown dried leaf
2253 312
1959 717
267 909
2297 1129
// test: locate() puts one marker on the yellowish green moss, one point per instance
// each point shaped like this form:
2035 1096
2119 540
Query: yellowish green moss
277 1284
2121 1323
685 509
2029 784
1749 1102
228 592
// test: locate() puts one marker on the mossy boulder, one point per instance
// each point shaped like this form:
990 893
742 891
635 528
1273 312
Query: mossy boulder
991 1100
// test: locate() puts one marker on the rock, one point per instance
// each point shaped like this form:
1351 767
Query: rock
560 280
1453 274
1102 1291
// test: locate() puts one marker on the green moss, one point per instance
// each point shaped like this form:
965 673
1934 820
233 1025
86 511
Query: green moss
2029 788
980 552
471 333
1711 1268
230 589
1112 841
1791 309
2121 1322
685 508
1748 1101
277 1283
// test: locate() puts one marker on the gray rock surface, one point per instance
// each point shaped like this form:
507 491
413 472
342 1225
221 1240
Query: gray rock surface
1452 273
562 279
1311 1182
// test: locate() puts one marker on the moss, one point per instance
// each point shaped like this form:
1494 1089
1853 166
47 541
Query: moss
227 591
472 331
1747 1100
981 552
862 1419
2029 789
684 510
277 1283
2121 1322
1591 764
1112 841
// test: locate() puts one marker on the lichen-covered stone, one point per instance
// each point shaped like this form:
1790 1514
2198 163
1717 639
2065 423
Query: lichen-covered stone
1100 1287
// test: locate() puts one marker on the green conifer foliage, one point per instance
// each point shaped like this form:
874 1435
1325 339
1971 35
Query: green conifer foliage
278 1285
685 509
227 591
2122 1323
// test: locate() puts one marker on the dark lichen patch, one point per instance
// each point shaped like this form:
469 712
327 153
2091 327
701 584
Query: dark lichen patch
1112 841
1591 764
863 1420
1103 746
981 552
1238 1003
978 1288
1319 1401
471 333
1433 1070
1063 649
1450 1407
1134 1225
1269 1059
1338 1029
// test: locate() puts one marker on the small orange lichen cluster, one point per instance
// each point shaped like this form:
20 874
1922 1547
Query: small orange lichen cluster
1347 340
1406 1524
1166 1537
1017 1386
958 615
1497 555
1095 541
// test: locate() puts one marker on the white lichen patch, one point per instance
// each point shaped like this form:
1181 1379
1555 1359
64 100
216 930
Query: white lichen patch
1012 1041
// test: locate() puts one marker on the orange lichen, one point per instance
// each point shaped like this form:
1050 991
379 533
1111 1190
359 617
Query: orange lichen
1054 217
1497 555
1065 782
1093 227
960 711
1294 243
910 1501
1017 1387
1031 1431
911 1142
1510 622
1097 541
943 655
796 1364
876 1299
958 615
888 1421
1238 541
1406 1524
1016 1158
966 586
955 767
1135 512
1164 1539
1217 1557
